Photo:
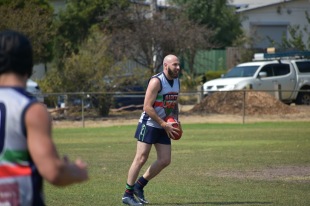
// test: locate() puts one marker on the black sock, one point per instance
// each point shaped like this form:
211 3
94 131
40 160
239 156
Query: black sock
129 190
141 182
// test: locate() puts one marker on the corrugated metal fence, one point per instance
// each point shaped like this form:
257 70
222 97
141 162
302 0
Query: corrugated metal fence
218 59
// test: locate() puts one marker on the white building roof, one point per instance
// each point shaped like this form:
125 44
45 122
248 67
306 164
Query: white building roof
243 5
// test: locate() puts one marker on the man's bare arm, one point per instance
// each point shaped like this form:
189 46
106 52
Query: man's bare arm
55 170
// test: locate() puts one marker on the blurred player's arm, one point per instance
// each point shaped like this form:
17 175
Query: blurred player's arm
57 171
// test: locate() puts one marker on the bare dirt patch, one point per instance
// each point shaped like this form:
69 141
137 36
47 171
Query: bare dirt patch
239 102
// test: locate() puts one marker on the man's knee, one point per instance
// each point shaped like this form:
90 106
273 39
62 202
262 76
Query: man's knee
141 159
164 162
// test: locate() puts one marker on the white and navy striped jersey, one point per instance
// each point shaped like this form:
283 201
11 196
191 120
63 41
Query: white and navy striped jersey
166 100
20 182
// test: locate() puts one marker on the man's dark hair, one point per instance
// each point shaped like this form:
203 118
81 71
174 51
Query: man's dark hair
15 53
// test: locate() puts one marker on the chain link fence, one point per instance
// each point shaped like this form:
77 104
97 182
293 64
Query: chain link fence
245 104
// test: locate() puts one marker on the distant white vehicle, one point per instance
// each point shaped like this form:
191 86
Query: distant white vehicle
34 89
289 70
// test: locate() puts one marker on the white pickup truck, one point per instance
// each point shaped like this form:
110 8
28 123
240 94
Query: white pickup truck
288 71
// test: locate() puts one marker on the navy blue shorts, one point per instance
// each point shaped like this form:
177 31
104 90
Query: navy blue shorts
151 135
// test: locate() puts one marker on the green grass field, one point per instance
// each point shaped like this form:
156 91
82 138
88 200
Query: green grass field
213 164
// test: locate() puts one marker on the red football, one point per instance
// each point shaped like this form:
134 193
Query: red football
176 125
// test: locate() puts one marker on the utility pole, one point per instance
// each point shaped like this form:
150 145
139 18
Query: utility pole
153 8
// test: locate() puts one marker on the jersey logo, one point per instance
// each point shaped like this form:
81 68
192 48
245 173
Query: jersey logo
9 194
169 102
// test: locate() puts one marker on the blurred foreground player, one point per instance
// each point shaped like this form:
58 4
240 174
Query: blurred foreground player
27 152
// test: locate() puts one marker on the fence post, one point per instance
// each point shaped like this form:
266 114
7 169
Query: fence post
278 93
243 107
64 104
200 93
83 122
247 88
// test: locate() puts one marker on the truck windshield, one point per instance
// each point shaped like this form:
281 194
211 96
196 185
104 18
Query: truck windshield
244 71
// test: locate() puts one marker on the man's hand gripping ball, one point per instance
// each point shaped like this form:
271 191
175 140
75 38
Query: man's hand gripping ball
176 134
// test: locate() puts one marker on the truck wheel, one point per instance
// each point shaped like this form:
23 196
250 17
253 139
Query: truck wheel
303 98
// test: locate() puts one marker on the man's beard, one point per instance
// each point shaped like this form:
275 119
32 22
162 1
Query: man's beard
172 74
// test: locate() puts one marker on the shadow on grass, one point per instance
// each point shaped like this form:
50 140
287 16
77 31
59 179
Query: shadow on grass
217 203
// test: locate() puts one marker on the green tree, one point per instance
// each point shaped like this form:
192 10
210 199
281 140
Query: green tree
33 18
73 24
92 70
217 15
84 72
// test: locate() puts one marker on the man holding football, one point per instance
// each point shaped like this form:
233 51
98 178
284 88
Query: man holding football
160 101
